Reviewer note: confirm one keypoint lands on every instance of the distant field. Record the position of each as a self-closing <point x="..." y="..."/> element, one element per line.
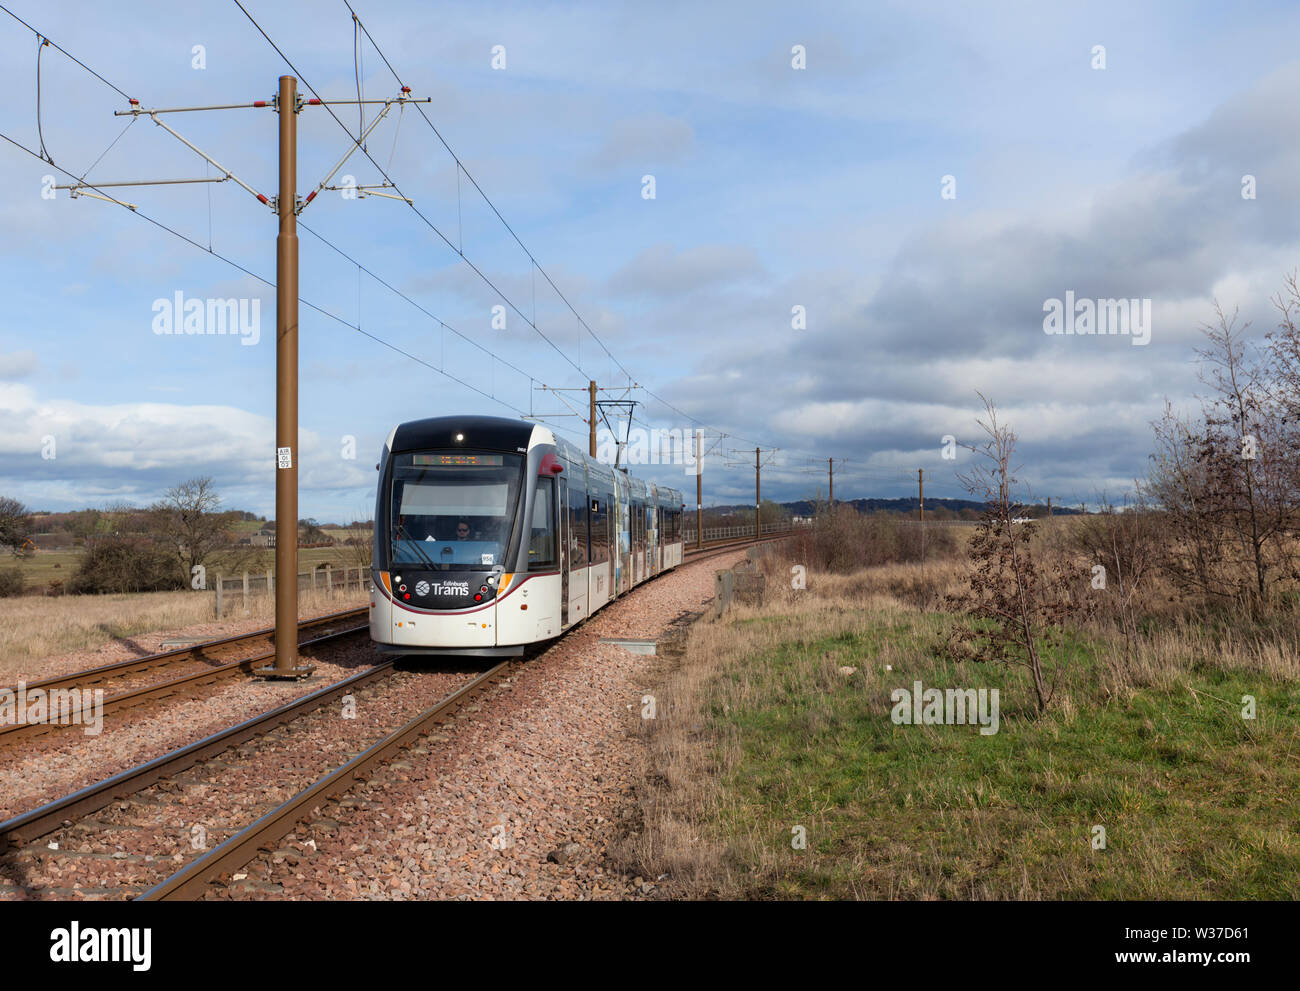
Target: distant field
<point x="48" y="566"/>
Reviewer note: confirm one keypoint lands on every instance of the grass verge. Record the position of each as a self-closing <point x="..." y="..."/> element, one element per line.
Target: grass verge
<point x="758" y="732"/>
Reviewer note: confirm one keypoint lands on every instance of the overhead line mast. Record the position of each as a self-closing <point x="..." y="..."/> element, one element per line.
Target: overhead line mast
<point x="287" y="205"/>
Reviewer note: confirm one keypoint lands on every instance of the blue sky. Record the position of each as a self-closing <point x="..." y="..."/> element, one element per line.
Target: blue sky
<point x="775" y="187"/>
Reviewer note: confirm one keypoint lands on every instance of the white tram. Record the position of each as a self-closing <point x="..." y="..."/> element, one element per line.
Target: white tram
<point x="491" y="534"/>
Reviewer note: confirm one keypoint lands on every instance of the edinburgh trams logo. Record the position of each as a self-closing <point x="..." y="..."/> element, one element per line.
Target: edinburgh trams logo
<point x="449" y="588"/>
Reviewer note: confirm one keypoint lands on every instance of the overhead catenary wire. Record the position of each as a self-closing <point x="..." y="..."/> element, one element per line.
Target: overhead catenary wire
<point x="535" y="267"/>
<point x="134" y="114"/>
<point x="63" y="51"/>
<point x="40" y="131"/>
<point x="108" y="149"/>
<point x="267" y="282"/>
<point x="460" y="167"/>
<point x="459" y="248"/>
<point x="387" y="178"/>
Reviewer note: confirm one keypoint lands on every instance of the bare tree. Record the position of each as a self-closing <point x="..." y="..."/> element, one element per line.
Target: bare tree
<point x="15" y="527"/>
<point x="1227" y="479"/>
<point x="1016" y="603"/>
<point x="360" y="541"/>
<point x="1284" y="349"/>
<point x="187" y="517"/>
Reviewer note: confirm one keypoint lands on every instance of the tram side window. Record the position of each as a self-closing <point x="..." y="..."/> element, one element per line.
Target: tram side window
<point x="577" y="526"/>
<point x="541" y="542"/>
<point x="599" y="525"/>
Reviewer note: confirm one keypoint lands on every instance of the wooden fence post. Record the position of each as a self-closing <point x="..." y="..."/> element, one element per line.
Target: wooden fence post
<point x="220" y="583"/>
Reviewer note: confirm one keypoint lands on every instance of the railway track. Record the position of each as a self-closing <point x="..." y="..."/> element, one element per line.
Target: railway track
<point x="47" y="818"/>
<point x="68" y="817"/>
<point x="714" y="548"/>
<point x="206" y="663"/>
<point x="193" y="880"/>
<point x="201" y="664"/>
<point x="173" y="823"/>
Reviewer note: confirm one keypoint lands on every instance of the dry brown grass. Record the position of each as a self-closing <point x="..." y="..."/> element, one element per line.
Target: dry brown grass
<point x="35" y="627"/>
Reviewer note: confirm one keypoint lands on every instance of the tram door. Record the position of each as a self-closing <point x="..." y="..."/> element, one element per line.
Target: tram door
<point x="562" y="535"/>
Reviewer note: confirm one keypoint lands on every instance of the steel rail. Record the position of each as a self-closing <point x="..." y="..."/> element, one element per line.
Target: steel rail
<point x="729" y="544"/>
<point x="134" y="665"/>
<point x="236" y="851"/>
<point x="161" y="689"/>
<point x="48" y="817"/>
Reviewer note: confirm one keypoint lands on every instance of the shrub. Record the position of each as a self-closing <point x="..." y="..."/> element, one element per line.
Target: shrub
<point x="11" y="583"/>
<point x="848" y="541"/>
<point x="120" y="564"/>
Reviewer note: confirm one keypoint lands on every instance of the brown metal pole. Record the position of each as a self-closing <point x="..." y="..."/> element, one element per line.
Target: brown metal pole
<point x="286" y="393"/>
<point x="591" y="387"/>
<point x="758" y="497"/>
<point x="699" y="495"/>
<point x="920" y="483"/>
<point x="831" y="463"/>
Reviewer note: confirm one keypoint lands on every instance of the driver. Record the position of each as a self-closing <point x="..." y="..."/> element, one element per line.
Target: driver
<point x="462" y="530"/>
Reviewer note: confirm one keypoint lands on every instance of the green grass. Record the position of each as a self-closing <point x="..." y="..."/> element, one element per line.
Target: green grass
<point x="1196" y="801"/>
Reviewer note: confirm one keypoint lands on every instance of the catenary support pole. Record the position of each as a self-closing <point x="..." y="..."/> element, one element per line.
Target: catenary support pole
<point x="286" y="394"/>
<point x="699" y="495"/>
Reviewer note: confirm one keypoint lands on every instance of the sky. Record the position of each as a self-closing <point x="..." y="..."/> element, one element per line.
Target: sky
<point x="860" y="212"/>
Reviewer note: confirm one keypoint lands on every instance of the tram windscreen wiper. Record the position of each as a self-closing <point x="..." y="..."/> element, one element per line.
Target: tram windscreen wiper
<point x="415" y="546"/>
